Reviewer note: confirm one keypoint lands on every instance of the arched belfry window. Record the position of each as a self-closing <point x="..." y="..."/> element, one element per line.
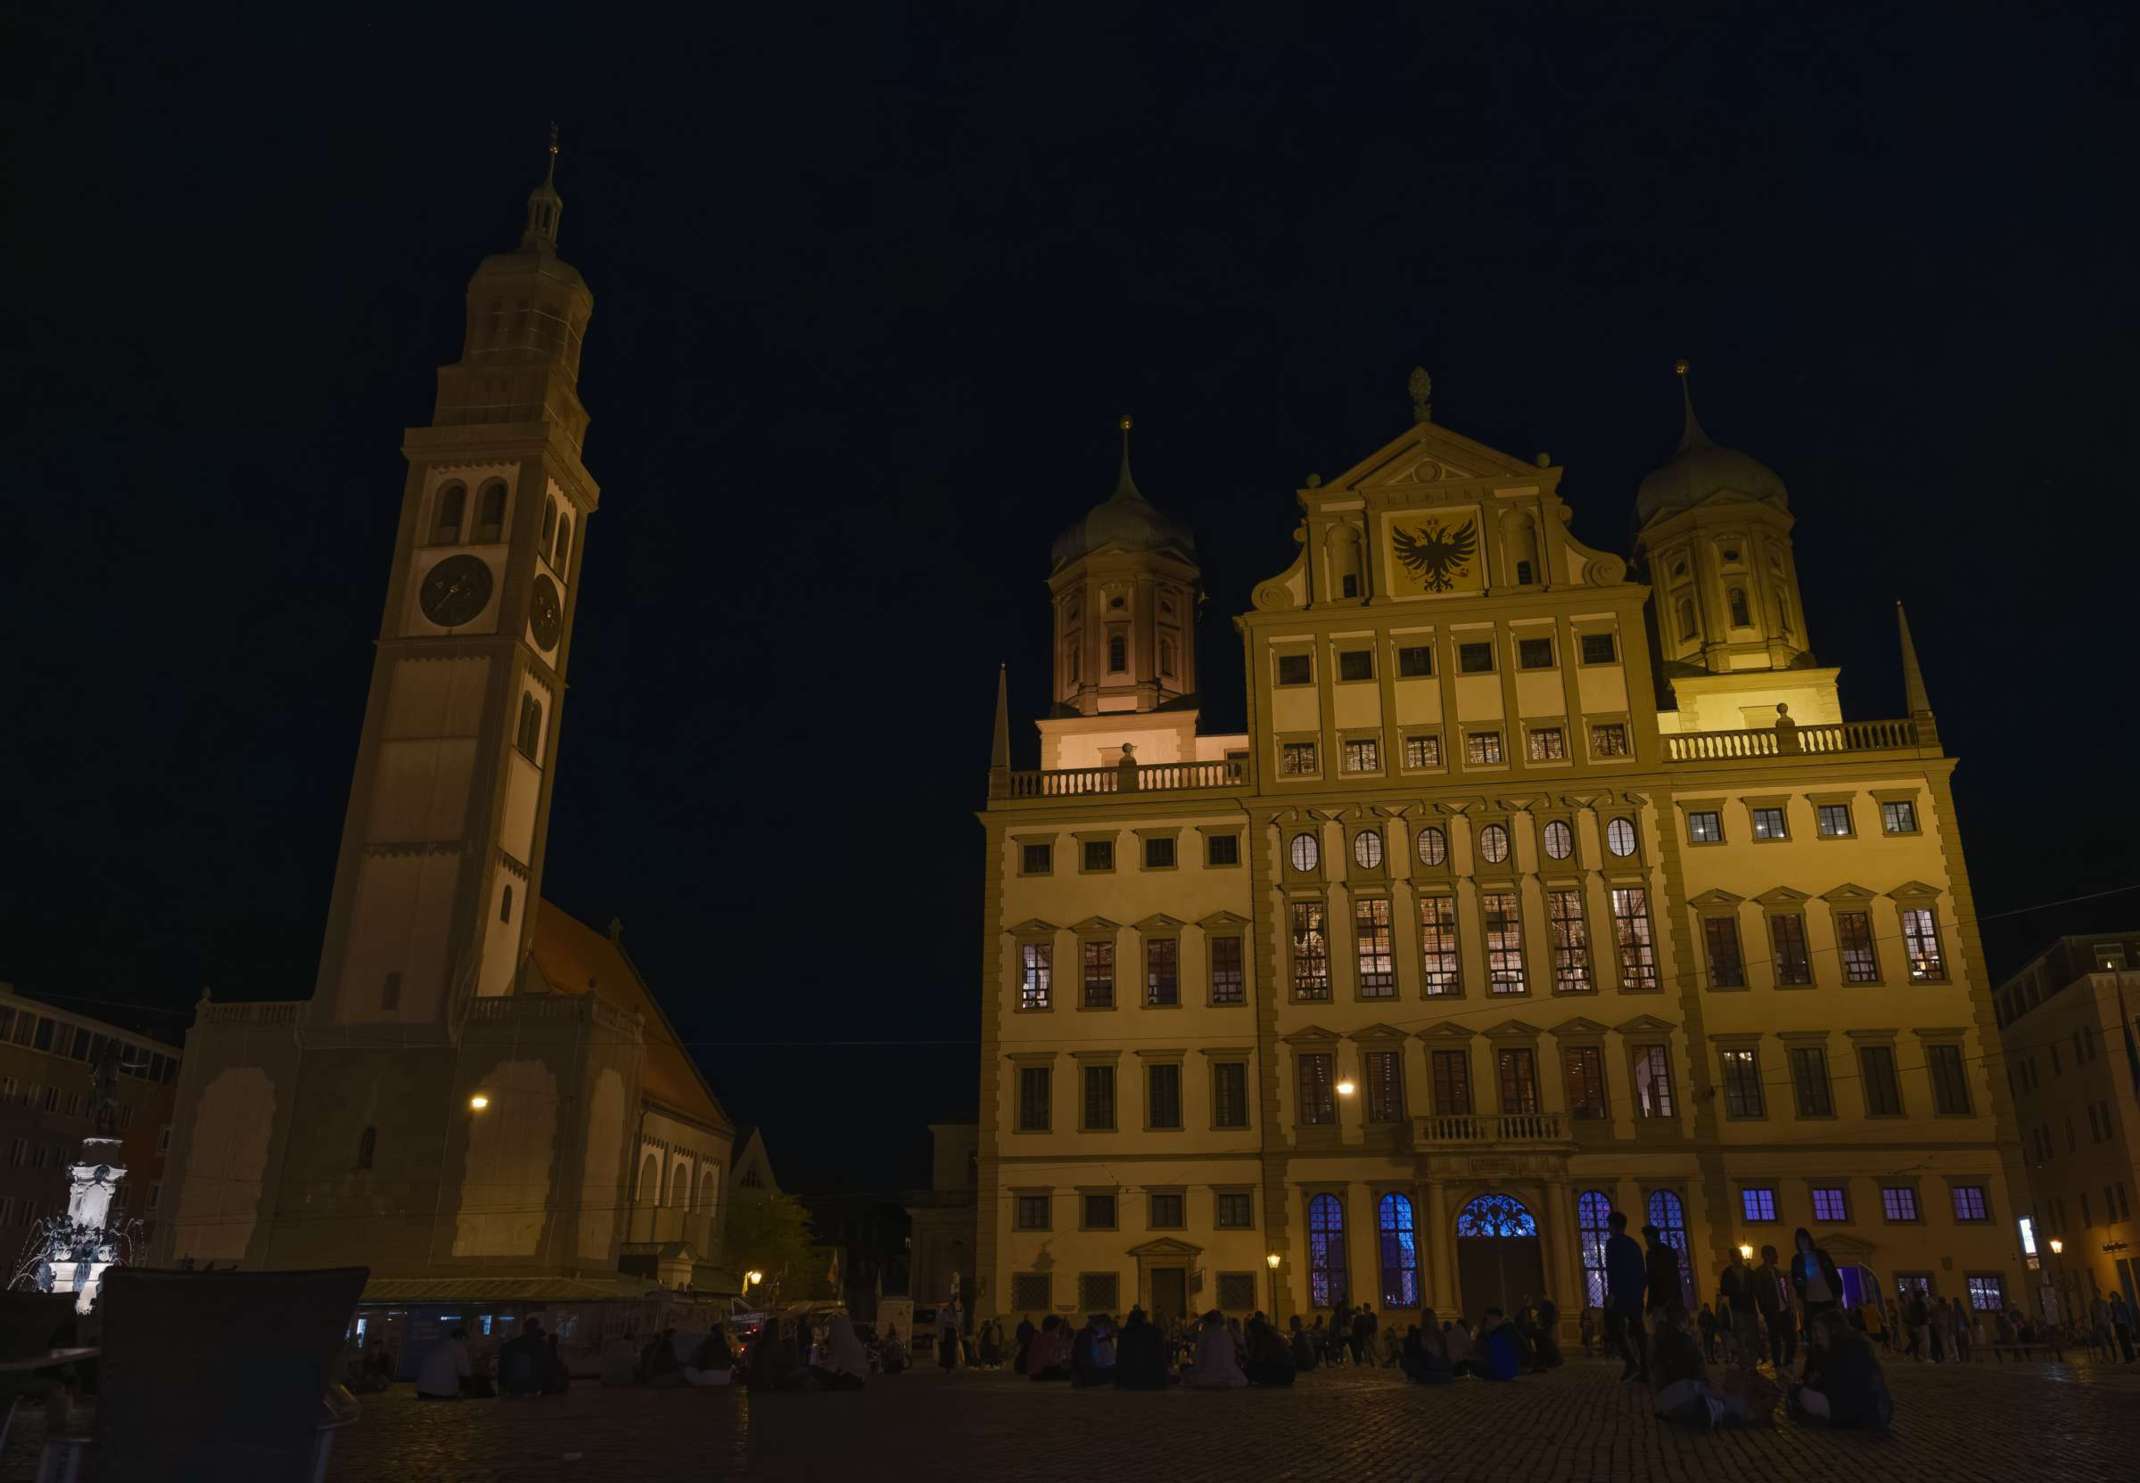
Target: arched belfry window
<point x="1687" y="627"/>
<point x="1741" y="615"/>
<point x="451" y="511"/>
<point x="367" y="1145"/>
<point x="549" y="528"/>
<point x="490" y="514"/>
<point x="564" y="543"/>
<point x="1400" y="1252"/>
<point x="1326" y="1252"/>
<point x="505" y="905"/>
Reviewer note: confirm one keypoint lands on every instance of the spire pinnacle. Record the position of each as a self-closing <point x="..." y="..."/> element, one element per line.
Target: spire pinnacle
<point x="999" y="752"/>
<point x="1914" y="693"/>
<point x="1125" y="486"/>
<point x="1692" y="436"/>
<point x="545" y="206"/>
<point x="1421" y="386"/>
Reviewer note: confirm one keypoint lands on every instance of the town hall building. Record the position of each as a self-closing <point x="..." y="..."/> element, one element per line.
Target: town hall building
<point x="1543" y="883"/>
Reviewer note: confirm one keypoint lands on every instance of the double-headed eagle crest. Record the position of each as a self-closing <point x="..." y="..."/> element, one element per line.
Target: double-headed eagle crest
<point x="1436" y="554"/>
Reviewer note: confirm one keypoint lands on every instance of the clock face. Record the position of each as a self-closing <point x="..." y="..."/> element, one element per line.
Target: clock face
<point x="545" y="614"/>
<point x="456" y="590"/>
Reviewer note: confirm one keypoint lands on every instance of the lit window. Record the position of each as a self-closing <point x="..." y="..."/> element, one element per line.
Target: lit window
<point x="1493" y="844"/>
<point x="1297" y="760"/>
<point x="1829" y="1202"/>
<point x="1920" y="945"/>
<point x="1413" y="663"/>
<point x="1038" y="976"/>
<point x="1482" y="748"/>
<point x="1159" y="852"/>
<point x="1631" y="931"/>
<point x="1653" y="1082"/>
<point x="1433" y="846"/>
<point x="1620" y="837"/>
<point x="1296" y="669"/>
<point x="1970" y="1204"/>
<point x="1162" y="971"/>
<point x="1356" y="664"/>
<point x="1598" y="648"/>
<point x="1441" y="973"/>
<point x="1742" y="1083"/>
<point x="1475" y="659"/>
<point x="1571" y="943"/>
<point x="1727" y="967"/>
<point x="1608" y="739"/>
<point x="1987" y="1292"/>
<point x="1311" y="952"/>
<point x="1399" y="1249"/>
<point x="1705" y="826"/>
<point x="1534" y="653"/>
<point x="1787" y="939"/>
<point x="1318" y="1104"/>
<point x="1099" y="969"/>
<point x="1584" y="1066"/>
<point x="1899" y="817"/>
<point x="1382" y="1071"/>
<point x="1371" y="928"/>
<point x="1504" y="943"/>
<point x="1422" y="751"/>
<point x="1898" y="1202"/>
<point x="1854" y="944"/>
<point x="1769" y="824"/>
<point x="1548" y="744"/>
<point x="1326" y="1252"/>
<point x="1834" y="820"/>
<point x="1367" y="849"/>
<point x="1228" y="984"/>
<point x="1559" y="840"/>
<point x="1363" y="755"/>
<point x="1306" y="852"/>
<point x="1757" y="1203"/>
<point x="1517" y="1070"/>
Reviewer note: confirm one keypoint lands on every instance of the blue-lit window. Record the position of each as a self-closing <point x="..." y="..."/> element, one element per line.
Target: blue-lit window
<point x="1326" y="1252"/>
<point x="1757" y="1203"/>
<point x="1400" y="1253"/>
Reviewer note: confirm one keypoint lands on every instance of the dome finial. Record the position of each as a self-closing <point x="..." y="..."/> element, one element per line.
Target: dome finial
<point x="1692" y="435"/>
<point x="545" y="206"/>
<point x="1125" y="486"/>
<point x="1421" y="385"/>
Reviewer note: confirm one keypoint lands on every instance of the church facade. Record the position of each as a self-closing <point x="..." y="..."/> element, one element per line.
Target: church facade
<point x="481" y="1093"/>
<point x="1541" y="884"/>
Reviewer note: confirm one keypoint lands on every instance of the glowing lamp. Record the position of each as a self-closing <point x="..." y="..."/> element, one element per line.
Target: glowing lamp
<point x="1344" y="1088"/>
<point x="2057" y="1246"/>
<point x="1746" y="1250"/>
<point x="478" y="1102"/>
<point x="1272" y="1259"/>
<point x="751" y="1279"/>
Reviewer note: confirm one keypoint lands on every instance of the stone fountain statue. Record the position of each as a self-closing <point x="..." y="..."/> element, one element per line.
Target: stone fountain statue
<point x="70" y="1253"/>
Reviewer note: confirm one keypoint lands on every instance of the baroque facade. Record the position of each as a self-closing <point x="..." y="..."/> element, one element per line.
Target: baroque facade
<point x="1538" y="886"/>
<point x="481" y="1095"/>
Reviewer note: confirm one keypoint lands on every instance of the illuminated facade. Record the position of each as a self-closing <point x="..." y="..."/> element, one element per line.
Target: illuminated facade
<point x="1469" y="938"/>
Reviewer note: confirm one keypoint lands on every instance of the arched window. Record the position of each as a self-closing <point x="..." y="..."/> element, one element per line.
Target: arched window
<point x="1493" y="844"/>
<point x="650" y="1181"/>
<point x="1326" y="1252"/>
<point x="1687" y="629"/>
<point x="1498" y="1217"/>
<point x="680" y="1186"/>
<point x="490" y="514"/>
<point x="367" y="1145"/>
<point x="706" y="1193"/>
<point x="1306" y="852"/>
<point x="1670" y="1218"/>
<point x="1166" y="656"/>
<point x="1592" y="1212"/>
<point x="1400" y="1252"/>
<point x="1433" y="846"/>
<point x="1741" y="617"/>
<point x="452" y="510"/>
<point x="563" y="560"/>
<point x="1117" y="653"/>
<point x="1559" y="840"/>
<point x="529" y="738"/>
<point x="549" y="528"/>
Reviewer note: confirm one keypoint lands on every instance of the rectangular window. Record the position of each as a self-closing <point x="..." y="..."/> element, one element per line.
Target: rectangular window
<point x="1854" y="944"/>
<point x="1032" y="1292"/>
<point x="1608" y="739"/>
<point x="1534" y="653"/>
<point x="1769" y="824"/>
<point x="1950" y="1083"/>
<point x="1099" y="854"/>
<point x="1036" y="859"/>
<point x="1297" y="760"/>
<point x="1598" y="648"/>
<point x="1920" y="945"/>
<point x="1830" y="1202"/>
<point x="1032" y="1212"/>
<point x="1363" y="754"/>
<point x="1296" y="669"/>
<point x="1311" y="952"/>
<point x="1809" y="1081"/>
<point x="1356" y="664"/>
<point x="1787" y="942"/>
<point x="1883" y="1092"/>
<point x="1099" y="1292"/>
<point x="1371" y="930"/>
<point x="1898" y="818"/>
<point x="1653" y="1082"/>
<point x="1034" y="1085"/>
<point x="1517" y="1071"/>
<point x="1098" y="1212"/>
<point x="1036" y="981"/>
<point x="1585" y="1068"/>
<point x="1742" y="1083"/>
<point x="1222" y="849"/>
<point x="1383" y="1071"/>
<point x="1440" y="969"/>
<point x="1452" y="1083"/>
<point x="1099" y="1099"/>
<point x="1422" y="751"/>
<point x="1504" y="943"/>
<point x="1970" y="1204"/>
<point x="1571" y="943"/>
<point x="1757" y="1202"/>
<point x="1727" y="969"/>
<point x="1162" y="971"/>
<point x="1159" y="852"/>
<point x="529" y="738"/>
<point x="1475" y="659"/>
<point x="1833" y="820"/>
<point x="1165" y="1215"/>
<point x="1631" y="928"/>
<point x="1548" y="744"/>
<point x="1415" y="662"/>
<point x="1898" y="1202"/>
<point x="1318" y="1105"/>
<point x="1162" y="1093"/>
<point x="1705" y="826"/>
<point x="1229" y="1094"/>
<point x="1987" y="1292"/>
<point x="1229" y="985"/>
<point x="1235" y="1211"/>
<point x="1482" y="747"/>
<point x="1099" y="962"/>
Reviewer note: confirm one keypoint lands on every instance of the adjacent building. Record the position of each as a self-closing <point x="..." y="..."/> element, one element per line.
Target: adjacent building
<point x="1542" y="882"/>
<point x="2071" y="1025"/>
<point x="941" y="1219"/>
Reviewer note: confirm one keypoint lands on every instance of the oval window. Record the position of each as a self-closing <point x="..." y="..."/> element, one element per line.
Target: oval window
<point x="1620" y="837"/>
<point x="1367" y="849"/>
<point x="1559" y="840"/>
<point x="1305" y="852"/>
<point x="1493" y="844"/>
<point x="1433" y="847"/>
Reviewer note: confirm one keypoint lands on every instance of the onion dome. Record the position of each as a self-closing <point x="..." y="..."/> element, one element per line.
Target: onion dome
<point x="1125" y="521"/>
<point x="1701" y="470"/>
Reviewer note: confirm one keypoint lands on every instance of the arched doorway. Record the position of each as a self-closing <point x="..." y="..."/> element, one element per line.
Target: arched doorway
<point x="1497" y="1255"/>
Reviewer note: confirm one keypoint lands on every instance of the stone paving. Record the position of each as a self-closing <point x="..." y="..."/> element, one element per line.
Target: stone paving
<point x="1954" y="1424"/>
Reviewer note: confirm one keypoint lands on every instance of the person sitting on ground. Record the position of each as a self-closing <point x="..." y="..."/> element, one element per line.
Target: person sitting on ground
<point x="445" y="1367"/>
<point x="521" y="1361"/>
<point x="1392" y="1347"/>
<point x="1140" y="1354"/>
<point x="712" y="1362"/>
<point x="1270" y="1358"/>
<point x="1048" y="1358"/>
<point x="1426" y="1352"/>
<point x="1304" y="1356"/>
<point x="1844" y="1384"/>
<point x="773" y="1363"/>
<point x="1217" y="1367"/>
<point x="845" y="1364"/>
<point x="892" y="1356"/>
<point x="1092" y="1352"/>
<point x="657" y="1362"/>
<point x="1458" y="1345"/>
<point x="1499" y="1354"/>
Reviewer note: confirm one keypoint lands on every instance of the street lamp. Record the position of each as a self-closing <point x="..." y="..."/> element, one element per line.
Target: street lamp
<point x="2057" y="1246"/>
<point x="1746" y="1250"/>
<point x="1271" y="1260"/>
<point x="1345" y="1088"/>
<point x="478" y="1102"/>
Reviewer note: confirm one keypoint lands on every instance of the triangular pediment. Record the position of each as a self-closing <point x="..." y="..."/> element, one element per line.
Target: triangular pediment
<point x="1220" y="921"/>
<point x="1783" y="896"/>
<point x="1513" y="1029"/>
<point x="1715" y="900"/>
<point x="1378" y="1032"/>
<point x="1309" y="1033"/>
<point x="1449" y="1030"/>
<point x="1579" y="1026"/>
<point x="1165" y="1246"/>
<point x="1032" y="927"/>
<point x="1913" y="891"/>
<point x="1847" y="891"/>
<point x="1645" y="1024"/>
<point x="1094" y="926"/>
<point x="1160" y="922"/>
<point x="1427" y="454"/>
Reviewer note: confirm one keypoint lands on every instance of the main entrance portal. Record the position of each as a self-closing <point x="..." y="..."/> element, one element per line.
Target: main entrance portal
<point x="1497" y="1255"/>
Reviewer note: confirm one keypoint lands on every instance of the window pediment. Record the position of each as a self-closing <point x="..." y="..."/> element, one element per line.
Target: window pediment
<point x="1646" y="1024"/>
<point x="1579" y="1027"/>
<point x="1715" y="900"/>
<point x="1095" y="927"/>
<point x="1160" y="922"/>
<point x="1220" y="921"/>
<point x="1913" y="891"/>
<point x="1513" y="1029"/>
<point x="1166" y="1246"/>
<point x="1448" y="1032"/>
<point x="1847" y="891"/>
<point x="1310" y="1034"/>
<point x="1783" y="896"/>
<point x="1032" y="927"/>
<point x="1378" y="1032"/>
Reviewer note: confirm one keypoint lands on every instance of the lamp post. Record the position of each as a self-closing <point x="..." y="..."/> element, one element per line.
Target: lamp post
<point x="1271" y="1261"/>
<point x="2051" y="1288"/>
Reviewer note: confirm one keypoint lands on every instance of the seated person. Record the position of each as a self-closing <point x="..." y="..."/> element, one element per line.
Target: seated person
<point x="1270" y="1357"/>
<point x="844" y="1365"/>
<point x="657" y="1362"/>
<point x="1092" y="1352"/>
<point x="1305" y="1354"/>
<point x="1499" y="1354"/>
<point x="1217" y="1366"/>
<point x="713" y="1362"/>
<point x="445" y="1369"/>
<point x="1461" y="1349"/>
<point x="1141" y="1355"/>
<point x="773" y="1362"/>
<point x="1844" y="1385"/>
<point x="1048" y="1357"/>
<point x="1426" y="1352"/>
<point x="523" y="1361"/>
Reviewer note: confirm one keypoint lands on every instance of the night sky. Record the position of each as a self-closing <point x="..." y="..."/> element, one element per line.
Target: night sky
<point x="871" y="287"/>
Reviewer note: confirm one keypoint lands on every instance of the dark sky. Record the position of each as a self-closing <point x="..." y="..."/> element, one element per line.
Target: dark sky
<point x="872" y="285"/>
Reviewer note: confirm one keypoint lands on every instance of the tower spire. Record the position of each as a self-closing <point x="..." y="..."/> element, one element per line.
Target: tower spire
<point x="999" y="752"/>
<point x="1914" y="693"/>
<point x="1692" y="435"/>
<point x="1125" y="485"/>
<point x="545" y="206"/>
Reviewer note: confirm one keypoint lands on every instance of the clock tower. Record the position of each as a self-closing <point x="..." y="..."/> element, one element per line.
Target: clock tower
<point x="442" y="847"/>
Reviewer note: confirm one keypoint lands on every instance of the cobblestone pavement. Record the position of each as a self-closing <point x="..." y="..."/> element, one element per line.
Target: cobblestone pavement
<point x="1954" y="1424"/>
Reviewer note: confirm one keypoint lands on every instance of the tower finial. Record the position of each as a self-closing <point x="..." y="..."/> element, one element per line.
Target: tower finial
<point x="1691" y="436"/>
<point x="550" y="177"/>
<point x="545" y="206"/>
<point x="1125" y="486"/>
<point x="1914" y="694"/>
<point x="999" y="751"/>
<point x="1421" y="386"/>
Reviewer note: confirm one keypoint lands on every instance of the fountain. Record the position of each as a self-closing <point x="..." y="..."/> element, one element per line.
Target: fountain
<point x="70" y="1253"/>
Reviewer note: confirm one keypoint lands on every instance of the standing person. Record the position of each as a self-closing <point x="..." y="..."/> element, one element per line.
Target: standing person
<point x="1363" y="1335"/>
<point x="1586" y="1327"/>
<point x="1741" y="1284"/>
<point x="1772" y="1295"/>
<point x="1662" y="1283"/>
<point x="1917" y="1322"/>
<point x="1141" y="1355"/>
<point x="1306" y="1355"/>
<point x="1025" y="1343"/>
<point x="947" y="1335"/>
<point x="1961" y="1329"/>
<point x="2121" y="1324"/>
<point x="1706" y="1322"/>
<point x="1941" y="1321"/>
<point x="1623" y="1299"/>
<point x="444" y="1368"/>
<point x="1545" y="1353"/>
<point x="1813" y="1276"/>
